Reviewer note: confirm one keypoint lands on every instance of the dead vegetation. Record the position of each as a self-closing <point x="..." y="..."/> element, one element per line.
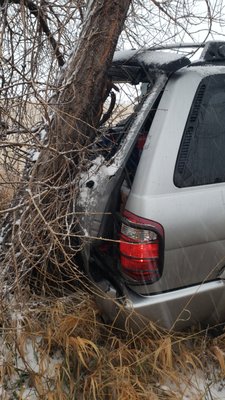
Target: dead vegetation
<point x="61" y="349"/>
<point x="7" y="189"/>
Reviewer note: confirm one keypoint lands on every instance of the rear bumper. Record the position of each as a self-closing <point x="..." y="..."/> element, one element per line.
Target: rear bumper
<point x="175" y="310"/>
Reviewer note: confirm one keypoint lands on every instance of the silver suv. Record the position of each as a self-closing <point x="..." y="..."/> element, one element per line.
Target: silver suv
<point x="154" y="200"/>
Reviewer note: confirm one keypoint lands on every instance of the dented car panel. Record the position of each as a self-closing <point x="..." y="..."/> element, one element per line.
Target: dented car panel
<point x="97" y="201"/>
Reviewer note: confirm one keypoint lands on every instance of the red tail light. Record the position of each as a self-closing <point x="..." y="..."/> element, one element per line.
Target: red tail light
<point x="141" y="248"/>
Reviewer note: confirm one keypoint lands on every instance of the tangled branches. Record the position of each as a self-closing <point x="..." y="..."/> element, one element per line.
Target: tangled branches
<point x="52" y="123"/>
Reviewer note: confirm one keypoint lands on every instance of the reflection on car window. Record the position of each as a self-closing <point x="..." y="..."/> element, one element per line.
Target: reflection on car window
<point x="201" y="158"/>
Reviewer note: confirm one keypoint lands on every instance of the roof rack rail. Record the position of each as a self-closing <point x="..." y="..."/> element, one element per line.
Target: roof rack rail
<point x="178" y="46"/>
<point x="213" y="50"/>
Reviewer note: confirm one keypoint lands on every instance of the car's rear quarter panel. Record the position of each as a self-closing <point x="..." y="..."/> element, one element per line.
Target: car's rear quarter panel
<point x="193" y="218"/>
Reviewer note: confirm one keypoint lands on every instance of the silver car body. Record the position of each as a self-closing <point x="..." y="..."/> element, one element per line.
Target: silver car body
<point x="191" y="288"/>
<point x="193" y="217"/>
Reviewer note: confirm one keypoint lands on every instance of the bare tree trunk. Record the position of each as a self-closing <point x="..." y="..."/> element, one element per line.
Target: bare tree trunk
<point x="44" y="238"/>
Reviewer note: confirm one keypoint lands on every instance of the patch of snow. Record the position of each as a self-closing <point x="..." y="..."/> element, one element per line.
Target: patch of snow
<point x="98" y="173"/>
<point x="83" y="196"/>
<point x="43" y="134"/>
<point x="125" y="55"/>
<point x="158" y="57"/>
<point x="31" y="361"/>
<point x="198" y="385"/>
<point x="208" y="69"/>
<point x="28" y="394"/>
<point x="148" y="57"/>
<point x="34" y="155"/>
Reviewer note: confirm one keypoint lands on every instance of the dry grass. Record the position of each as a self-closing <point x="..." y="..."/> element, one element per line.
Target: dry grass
<point x="60" y="349"/>
<point x="6" y="188"/>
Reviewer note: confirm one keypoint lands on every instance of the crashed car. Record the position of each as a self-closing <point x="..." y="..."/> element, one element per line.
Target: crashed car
<point x="154" y="202"/>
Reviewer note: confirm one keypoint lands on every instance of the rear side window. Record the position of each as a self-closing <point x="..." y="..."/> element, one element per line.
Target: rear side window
<point x="201" y="157"/>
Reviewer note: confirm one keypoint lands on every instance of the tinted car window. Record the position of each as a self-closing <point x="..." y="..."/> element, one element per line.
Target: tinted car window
<point x="201" y="157"/>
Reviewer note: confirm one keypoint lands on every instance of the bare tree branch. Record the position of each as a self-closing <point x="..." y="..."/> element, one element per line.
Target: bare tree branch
<point x="38" y="12"/>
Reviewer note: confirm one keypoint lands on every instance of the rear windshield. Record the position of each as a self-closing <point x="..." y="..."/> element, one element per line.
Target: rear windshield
<point x="201" y="157"/>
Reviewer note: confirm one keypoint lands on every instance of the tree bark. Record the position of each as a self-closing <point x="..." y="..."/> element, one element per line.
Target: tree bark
<point x="44" y="240"/>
